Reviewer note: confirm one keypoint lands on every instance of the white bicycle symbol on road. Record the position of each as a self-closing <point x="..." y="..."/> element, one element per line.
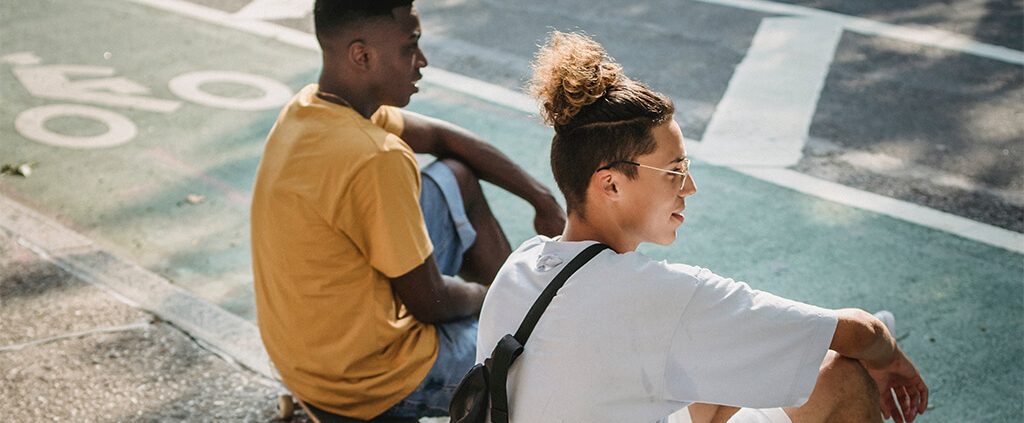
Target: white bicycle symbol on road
<point x="101" y="87"/>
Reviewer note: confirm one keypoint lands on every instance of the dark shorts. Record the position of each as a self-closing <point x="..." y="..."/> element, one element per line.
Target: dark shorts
<point x="451" y="234"/>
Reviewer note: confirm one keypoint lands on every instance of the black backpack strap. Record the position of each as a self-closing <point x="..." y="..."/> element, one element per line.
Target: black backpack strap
<point x="504" y="354"/>
<point x="509" y="347"/>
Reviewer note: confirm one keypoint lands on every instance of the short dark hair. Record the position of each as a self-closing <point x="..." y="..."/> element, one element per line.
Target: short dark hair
<point x="332" y="15"/>
<point x="599" y="115"/>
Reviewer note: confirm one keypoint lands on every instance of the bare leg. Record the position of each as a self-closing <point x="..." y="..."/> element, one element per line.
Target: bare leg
<point x="843" y="393"/>
<point x="710" y="413"/>
<point x="482" y="260"/>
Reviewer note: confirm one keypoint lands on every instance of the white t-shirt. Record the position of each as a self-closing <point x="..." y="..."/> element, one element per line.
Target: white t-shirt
<point x="630" y="339"/>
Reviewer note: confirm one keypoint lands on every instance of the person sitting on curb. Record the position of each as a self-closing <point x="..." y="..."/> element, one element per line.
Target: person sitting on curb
<point x="354" y="247"/>
<point x="631" y="339"/>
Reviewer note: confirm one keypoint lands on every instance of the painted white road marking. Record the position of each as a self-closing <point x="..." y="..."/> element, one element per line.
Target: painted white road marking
<point x="880" y="204"/>
<point x="52" y="82"/>
<point x="189" y="87"/>
<point x="765" y="114"/>
<point x="273" y="31"/>
<point x="917" y="35"/>
<point x="481" y="89"/>
<point x="31" y="124"/>
<point x="964" y="227"/>
<point x="24" y="58"/>
<point x="275" y="9"/>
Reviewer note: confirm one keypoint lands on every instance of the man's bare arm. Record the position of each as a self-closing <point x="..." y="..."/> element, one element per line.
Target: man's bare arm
<point x="445" y="140"/>
<point x="862" y="336"/>
<point x="434" y="298"/>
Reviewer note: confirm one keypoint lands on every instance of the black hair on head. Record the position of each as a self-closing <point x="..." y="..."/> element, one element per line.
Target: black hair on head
<point x="332" y="15"/>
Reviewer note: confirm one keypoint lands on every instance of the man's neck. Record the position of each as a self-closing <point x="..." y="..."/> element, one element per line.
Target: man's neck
<point x="597" y="229"/>
<point x="341" y="93"/>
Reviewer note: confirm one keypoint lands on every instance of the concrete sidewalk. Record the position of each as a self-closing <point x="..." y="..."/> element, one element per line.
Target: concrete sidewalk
<point x="71" y="351"/>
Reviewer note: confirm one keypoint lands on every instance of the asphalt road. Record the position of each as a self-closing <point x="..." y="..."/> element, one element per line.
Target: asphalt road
<point x="924" y="124"/>
<point x="895" y="116"/>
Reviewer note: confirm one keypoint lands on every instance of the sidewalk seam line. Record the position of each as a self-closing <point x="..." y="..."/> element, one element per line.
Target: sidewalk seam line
<point x="78" y="334"/>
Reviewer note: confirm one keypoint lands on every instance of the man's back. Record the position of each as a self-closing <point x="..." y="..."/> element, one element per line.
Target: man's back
<point x="631" y="339"/>
<point x="334" y="215"/>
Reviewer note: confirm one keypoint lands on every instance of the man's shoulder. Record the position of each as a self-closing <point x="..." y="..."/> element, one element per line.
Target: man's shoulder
<point x="643" y="267"/>
<point x="555" y="252"/>
<point x="344" y="139"/>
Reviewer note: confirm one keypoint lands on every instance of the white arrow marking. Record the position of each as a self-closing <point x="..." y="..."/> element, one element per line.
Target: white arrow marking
<point x="52" y="82"/>
<point x="766" y="111"/>
<point x="275" y="9"/>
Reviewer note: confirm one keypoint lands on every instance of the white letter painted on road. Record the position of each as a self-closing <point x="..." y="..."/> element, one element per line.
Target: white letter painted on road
<point x="188" y="87"/>
<point x="31" y="124"/>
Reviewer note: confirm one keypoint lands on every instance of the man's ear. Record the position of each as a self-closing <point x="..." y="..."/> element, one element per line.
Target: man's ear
<point x="605" y="183"/>
<point x="359" y="54"/>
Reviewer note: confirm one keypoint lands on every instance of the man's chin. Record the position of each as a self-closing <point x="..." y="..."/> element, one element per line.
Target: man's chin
<point x="397" y="102"/>
<point x="666" y="240"/>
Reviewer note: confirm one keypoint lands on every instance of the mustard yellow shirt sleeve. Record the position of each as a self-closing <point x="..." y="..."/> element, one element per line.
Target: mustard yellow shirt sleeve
<point x="382" y="214"/>
<point x="389" y="118"/>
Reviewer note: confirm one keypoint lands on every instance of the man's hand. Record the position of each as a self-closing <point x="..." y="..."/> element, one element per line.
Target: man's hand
<point x="550" y="218"/>
<point x="900" y="377"/>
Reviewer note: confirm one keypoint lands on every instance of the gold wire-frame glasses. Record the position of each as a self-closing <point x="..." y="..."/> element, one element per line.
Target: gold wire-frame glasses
<point x="685" y="173"/>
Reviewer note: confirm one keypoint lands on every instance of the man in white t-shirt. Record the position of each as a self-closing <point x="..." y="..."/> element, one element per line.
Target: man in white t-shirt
<point x="630" y="339"/>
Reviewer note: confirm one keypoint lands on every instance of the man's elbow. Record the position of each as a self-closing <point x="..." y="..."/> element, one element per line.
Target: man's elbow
<point x="430" y="315"/>
<point x="857" y="331"/>
<point x="432" y="310"/>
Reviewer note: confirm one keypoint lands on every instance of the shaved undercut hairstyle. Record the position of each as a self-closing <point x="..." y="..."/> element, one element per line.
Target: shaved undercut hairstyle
<point x="330" y="16"/>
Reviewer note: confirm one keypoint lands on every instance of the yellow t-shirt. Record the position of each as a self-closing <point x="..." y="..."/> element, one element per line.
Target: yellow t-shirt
<point x="335" y="213"/>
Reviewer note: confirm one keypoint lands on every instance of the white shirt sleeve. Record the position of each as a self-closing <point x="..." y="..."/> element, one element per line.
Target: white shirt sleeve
<point x="742" y="347"/>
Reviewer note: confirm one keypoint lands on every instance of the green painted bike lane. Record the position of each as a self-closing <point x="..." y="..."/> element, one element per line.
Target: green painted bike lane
<point x="959" y="304"/>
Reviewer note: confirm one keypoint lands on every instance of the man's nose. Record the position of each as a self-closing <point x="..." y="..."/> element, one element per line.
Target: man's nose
<point x="421" y="60"/>
<point x="689" y="186"/>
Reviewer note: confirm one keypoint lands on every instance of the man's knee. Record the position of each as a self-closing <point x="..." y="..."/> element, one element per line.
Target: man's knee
<point x="854" y="389"/>
<point x="469" y="184"/>
<point x="460" y="170"/>
<point x="844" y="392"/>
<point x="849" y="375"/>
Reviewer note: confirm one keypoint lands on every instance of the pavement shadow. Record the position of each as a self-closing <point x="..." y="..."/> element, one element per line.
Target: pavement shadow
<point x="1001" y="23"/>
<point x="931" y="109"/>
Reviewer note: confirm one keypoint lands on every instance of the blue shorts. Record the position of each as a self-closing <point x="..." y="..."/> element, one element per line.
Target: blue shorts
<point x="455" y="356"/>
<point x="451" y="234"/>
<point x="445" y="215"/>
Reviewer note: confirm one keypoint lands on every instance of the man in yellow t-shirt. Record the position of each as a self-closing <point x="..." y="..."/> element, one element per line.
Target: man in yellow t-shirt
<point x="354" y="247"/>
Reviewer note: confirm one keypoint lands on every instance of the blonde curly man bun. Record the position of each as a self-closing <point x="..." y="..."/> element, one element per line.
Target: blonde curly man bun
<point x="570" y="72"/>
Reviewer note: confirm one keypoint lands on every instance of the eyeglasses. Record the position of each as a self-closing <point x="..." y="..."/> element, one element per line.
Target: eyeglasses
<point x="685" y="172"/>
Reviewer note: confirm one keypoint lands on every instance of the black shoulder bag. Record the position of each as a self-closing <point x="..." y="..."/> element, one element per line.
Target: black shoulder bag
<point x="486" y="383"/>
